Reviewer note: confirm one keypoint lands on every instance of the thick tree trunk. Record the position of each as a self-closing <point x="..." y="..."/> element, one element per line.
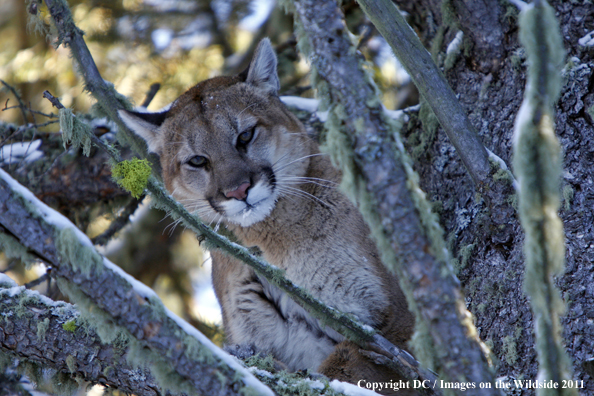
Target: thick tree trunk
<point x="487" y="239"/>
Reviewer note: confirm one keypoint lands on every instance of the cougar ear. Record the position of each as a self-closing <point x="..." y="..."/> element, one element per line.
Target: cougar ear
<point x="145" y="125"/>
<point x="262" y="71"/>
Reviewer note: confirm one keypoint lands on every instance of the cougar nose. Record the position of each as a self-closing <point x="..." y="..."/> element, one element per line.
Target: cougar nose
<point x="240" y="193"/>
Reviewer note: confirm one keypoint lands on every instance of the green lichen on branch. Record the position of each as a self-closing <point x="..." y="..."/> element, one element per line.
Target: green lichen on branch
<point x="70" y="326"/>
<point x="12" y="248"/>
<point x="74" y="131"/>
<point x="74" y="253"/>
<point x="132" y="175"/>
<point x="22" y="302"/>
<point x="537" y="164"/>
<point x="35" y="22"/>
<point x="42" y="327"/>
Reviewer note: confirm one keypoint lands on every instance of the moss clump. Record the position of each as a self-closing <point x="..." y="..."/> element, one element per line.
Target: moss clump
<point x="263" y="363"/>
<point x="132" y="175"/>
<point x="42" y="327"/>
<point x="568" y="194"/>
<point x="465" y="253"/>
<point x="71" y="363"/>
<point x="509" y="349"/>
<point x="35" y="22"/>
<point x="70" y="326"/>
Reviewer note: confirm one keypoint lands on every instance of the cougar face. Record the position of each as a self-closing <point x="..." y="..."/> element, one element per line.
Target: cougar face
<point x="228" y="147"/>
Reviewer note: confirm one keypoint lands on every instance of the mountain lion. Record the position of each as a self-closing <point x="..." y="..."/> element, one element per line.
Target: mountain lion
<point x="232" y="153"/>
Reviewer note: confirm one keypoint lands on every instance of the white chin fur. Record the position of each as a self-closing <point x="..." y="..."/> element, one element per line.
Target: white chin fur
<point x="260" y="198"/>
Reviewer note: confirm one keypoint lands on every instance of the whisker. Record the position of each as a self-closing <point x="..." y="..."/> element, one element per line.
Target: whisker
<point x="304" y="180"/>
<point x="301" y="193"/>
<point x="300" y="183"/>
<point x="216" y="228"/>
<point x="247" y="107"/>
<point x="296" y="193"/>
<point x="172" y="227"/>
<point x="215" y="218"/>
<point x="312" y="178"/>
<point x="297" y="160"/>
<point x="289" y="153"/>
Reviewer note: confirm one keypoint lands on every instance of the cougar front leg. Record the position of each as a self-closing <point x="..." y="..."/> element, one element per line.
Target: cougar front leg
<point x="250" y="318"/>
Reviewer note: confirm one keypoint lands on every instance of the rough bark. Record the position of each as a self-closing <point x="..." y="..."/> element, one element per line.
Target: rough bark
<point x="487" y="243"/>
<point x="53" y="346"/>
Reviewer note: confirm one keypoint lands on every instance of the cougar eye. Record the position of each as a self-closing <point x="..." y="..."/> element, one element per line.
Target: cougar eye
<point x="197" y="161"/>
<point x="245" y="137"/>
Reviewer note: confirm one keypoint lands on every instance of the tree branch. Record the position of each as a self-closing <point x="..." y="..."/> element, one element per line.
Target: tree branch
<point x="104" y="92"/>
<point x="432" y="86"/>
<point x="379" y="174"/>
<point x="36" y="332"/>
<point x="119" y="222"/>
<point x="21" y="105"/>
<point x="537" y="162"/>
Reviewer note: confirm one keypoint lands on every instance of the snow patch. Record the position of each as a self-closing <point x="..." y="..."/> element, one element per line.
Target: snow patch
<point x="587" y="40"/>
<point x="20" y="151"/>
<point x="454" y="46"/>
<point x="315" y="384"/>
<point x="6" y="281"/>
<point x="311" y="106"/>
<point x="260" y="372"/>
<point x="350" y="389"/>
<point x="17" y="290"/>
<point x="497" y="159"/>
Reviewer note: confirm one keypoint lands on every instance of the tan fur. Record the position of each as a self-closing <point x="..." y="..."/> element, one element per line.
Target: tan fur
<point x="310" y="229"/>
